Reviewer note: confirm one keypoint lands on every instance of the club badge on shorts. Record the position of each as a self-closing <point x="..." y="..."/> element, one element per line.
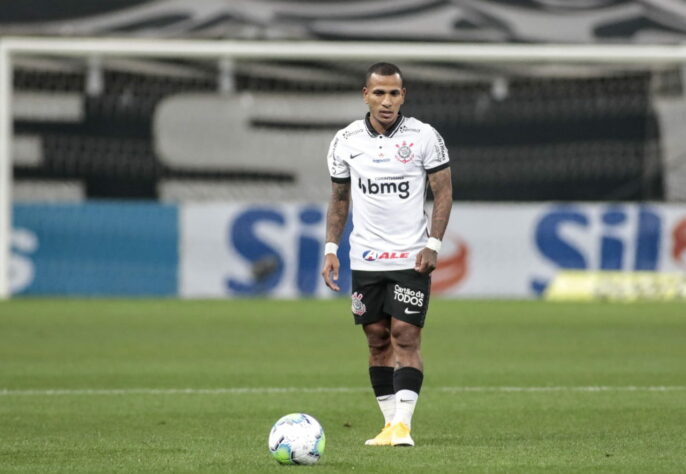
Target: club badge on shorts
<point x="358" y="306"/>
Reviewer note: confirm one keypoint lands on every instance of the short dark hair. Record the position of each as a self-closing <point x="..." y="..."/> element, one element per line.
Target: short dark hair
<point x="383" y="69"/>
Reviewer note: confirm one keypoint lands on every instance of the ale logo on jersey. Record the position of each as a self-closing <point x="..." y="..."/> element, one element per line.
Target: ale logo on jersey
<point x="404" y="153"/>
<point x="374" y="255"/>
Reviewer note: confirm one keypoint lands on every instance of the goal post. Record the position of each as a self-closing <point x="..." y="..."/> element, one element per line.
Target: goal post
<point x="225" y="52"/>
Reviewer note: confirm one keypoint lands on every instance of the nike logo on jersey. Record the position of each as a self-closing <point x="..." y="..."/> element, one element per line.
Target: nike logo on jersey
<point x="352" y="157"/>
<point x="406" y="401"/>
<point x="407" y="311"/>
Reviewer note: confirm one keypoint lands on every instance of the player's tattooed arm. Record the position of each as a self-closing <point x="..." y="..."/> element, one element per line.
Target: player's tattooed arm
<point x="337" y="215"/>
<point x="442" y="189"/>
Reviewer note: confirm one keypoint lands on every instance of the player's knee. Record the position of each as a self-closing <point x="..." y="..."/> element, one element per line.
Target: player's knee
<point x="406" y="345"/>
<point x="378" y="343"/>
<point x="405" y="340"/>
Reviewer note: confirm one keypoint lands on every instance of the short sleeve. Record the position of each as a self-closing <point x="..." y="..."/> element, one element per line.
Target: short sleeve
<point x="435" y="152"/>
<point x="338" y="168"/>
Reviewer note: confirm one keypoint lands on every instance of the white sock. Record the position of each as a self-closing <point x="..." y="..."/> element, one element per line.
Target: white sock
<point x="405" y="401"/>
<point x="387" y="405"/>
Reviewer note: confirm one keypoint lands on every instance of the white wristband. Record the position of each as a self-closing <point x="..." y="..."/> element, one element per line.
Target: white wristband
<point x="330" y="247"/>
<point x="434" y="244"/>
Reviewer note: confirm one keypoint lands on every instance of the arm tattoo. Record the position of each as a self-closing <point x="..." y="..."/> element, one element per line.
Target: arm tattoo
<point x="442" y="189"/>
<point x="337" y="215"/>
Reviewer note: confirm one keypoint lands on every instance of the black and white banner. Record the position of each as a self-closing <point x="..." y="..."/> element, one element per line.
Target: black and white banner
<point x="528" y="21"/>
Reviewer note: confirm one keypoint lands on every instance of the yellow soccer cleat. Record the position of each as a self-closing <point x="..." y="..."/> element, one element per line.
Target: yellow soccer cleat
<point x="382" y="439"/>
<point x="400" y="435"/>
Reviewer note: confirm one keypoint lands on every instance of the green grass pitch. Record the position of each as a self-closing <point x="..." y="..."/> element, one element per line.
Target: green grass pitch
<point x="194" y="386"/>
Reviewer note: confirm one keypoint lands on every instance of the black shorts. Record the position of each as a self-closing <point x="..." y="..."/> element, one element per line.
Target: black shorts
<point x="402" y="294"/>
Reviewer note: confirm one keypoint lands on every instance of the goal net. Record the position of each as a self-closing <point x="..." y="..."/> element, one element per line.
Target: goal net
<point x="112" y="122"/>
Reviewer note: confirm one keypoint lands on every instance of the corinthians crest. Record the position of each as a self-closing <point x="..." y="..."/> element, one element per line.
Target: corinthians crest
<point x="358" y="306"/>
<point x="404" y="153"/>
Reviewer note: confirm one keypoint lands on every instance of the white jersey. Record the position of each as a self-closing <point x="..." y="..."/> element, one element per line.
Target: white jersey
<point x="388" y="177"/>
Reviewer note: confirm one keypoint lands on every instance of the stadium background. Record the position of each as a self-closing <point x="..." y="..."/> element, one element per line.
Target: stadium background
<point x="206" y="178"/>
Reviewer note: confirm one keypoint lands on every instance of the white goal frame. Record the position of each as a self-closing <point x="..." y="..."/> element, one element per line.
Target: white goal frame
<point x="286" y="50"/>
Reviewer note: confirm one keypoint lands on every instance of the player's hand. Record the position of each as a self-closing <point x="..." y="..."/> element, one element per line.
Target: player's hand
<point x="330" y="271"/>
<point x="426" y="261"/>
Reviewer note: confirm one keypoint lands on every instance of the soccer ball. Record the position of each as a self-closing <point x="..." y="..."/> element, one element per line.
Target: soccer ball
<point x="297" y="439"/>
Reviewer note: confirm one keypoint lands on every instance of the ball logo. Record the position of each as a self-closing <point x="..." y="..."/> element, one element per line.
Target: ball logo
<point x="404" y="154"/>
<point x="358" y="307"/>
<point x="369" y="255"/>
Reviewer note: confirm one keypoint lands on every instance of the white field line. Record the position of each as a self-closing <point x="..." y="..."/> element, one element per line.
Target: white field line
<point x="277" y="390"/>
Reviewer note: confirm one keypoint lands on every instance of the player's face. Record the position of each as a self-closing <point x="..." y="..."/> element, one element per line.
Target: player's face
<point x="384" y="95"/>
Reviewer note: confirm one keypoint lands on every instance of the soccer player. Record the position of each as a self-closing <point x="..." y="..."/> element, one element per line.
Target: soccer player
<point x="381" y="164"/>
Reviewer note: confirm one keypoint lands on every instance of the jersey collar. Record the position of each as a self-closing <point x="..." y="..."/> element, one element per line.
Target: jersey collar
<point x="391" y="130"/>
